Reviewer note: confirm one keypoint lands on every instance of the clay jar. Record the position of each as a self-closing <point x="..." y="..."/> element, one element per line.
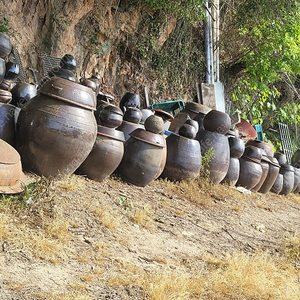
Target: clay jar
<point x="22" y="92"/>
<point x="269" y="149"/>
<point x="56" y="129"/>
<point x="273" y="172"/>
<point x="265" y="170"/>
<point x="110" y="116"/>
<point x="218" y="165"/>
<point x="105" y="156"/>
<point x="143" y="155"/>
<point x="7" y="123"/>
<point x="217" y="121"/>
<point x="296" y="159"/>
<point x="288" y="179"/>
<point x="237" y="148"/>
<point x="130" y="100"/>
<point x="193" y="108"/>
<point x="278" y="184"/>
<point x="12" y="71"/>
<point x="199" y="119"/>
<point x="183" y="155"/>
<point x="281" y="158"/>
<point x="250" y="168"/>
<point x="133" y="115"/>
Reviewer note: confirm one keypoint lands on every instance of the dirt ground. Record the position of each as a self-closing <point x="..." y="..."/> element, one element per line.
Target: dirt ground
<point x="79" y="239"/>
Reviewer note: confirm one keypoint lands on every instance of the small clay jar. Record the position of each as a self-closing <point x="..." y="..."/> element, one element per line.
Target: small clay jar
<point x="133" y="115"/>
<point x="22" y="92"/>
<point x="233" y="172"/>
<point x="130" y="100"/>
<point x="68" y="62"/>
<point x="110" y="116"/>
<point x="194" y="123"/>
<point x="281" y="158"/>
<point x="154" y="124"/>
<point x="12" y="71"/>
<point x="217" y="121"/>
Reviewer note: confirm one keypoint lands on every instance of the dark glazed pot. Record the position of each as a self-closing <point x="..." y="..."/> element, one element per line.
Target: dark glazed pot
<point x="7" y="123"/>
<point x="233" y="172"/>
<point x="250" y="168"/>
<point x="154" y="124"/>
<point x="199" y="119"/>
<point x="281" y="158"/>
<point x="296" y="187"/>
<point x="193" y="108"/>
<point x="22" y="92"/>
<point x="62" y="73"/>
<point x="183" y="158"/>
<point x="105" y="156"/>
<point x="217" y="121"/>
<point x="133" y="115"/>
<point x="2" y="68"/>
<point x="110" y="116"/>
<point x="237" y="146"/>
<point x="68" y="62"/>
<point x="143" y="154"/>
<point x="219" y="164"/>
<point x="278" y="184"/>
<point x="265" y="169"/>
<point x="12" y="71"/>
<point x="130" y="100"/>
<point x="288" y="179"/>
<point x="273" y="172"/>
<point x="54" y="136"/>
<point x="128" y="127"/>
<point x="269" y="149"/>
<point x="5" y="45"/>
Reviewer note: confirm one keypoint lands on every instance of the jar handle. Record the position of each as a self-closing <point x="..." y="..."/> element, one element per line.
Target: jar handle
<point x="56" y="87"/>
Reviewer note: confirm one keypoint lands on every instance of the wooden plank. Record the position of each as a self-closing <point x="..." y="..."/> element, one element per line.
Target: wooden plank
<point x="208" y="95"/>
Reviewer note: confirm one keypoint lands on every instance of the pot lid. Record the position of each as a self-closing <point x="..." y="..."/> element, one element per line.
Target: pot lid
<point x="161" y="113"/>
<point x="252" y="159"/>
<point x="111" y="133"/>
<point x="149" y="137"/>
<point x="288" y="168"/>
<point x="8" y="154"/>
<point x="274" y="161"/>
<point x="69" y="91"/>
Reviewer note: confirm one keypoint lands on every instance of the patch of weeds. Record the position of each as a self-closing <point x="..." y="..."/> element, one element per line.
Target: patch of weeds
<point x="206" y="159"/>
<point x="126" y="204"/>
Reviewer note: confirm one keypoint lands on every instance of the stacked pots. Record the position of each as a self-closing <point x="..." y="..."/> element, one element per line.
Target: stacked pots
<point x="237" y="147"/>
<point x="265" y="162"/>
<point x="56" y="129"/>
<point x="144" y="154"/>
<point x="183" y="154"/>
<point x="287" y="172"/>
<point x="213" y="138"/>
<point x="250" y="168"/>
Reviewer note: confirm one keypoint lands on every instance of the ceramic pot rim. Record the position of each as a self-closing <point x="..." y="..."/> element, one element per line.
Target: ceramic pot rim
<point x="149" y="137"/>
<point x="15" y="189"/>
<point x="111" y="133"/>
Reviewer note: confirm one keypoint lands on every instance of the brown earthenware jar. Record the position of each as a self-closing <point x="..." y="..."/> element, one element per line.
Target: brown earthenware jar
<point x="273" y="172"/>
<point x="56" y="129"/>
<point x="278" y="184"/>
<point x="265" y="169"/>
<point x="105" y="156"/>
<point x="218" y="165"/>
<point x="183" y="155"/>
<point x="233" y="172"/>
<point x="288" y="179"/>
<point x="7" y="123"/>
<point x="269" y="149"/>
<point x="143" y="154"/>
<point x="217" y="121"/>
<point x="250" y="168"/>
<point x="128" y="127"/>
<point x="296" y="187"/>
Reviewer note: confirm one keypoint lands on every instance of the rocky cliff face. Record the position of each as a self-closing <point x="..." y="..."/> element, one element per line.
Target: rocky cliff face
<point x="101" y="35"/>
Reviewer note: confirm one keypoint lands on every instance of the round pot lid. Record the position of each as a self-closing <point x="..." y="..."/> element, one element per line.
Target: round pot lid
<point x="149" y="137"/>
<point x="111" y="133"/>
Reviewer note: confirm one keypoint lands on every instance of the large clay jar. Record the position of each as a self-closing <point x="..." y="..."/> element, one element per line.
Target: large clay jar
<point x="143" y="154"/>
<point x="128" y="127"/>
<point x="183" y="155"/>
<point x="218" y="165"/>
<point x="265" y="169"/>
<point x="288" y="179"/>
<point x="199" y="119"/>
<point x="130" y="100"/>
<point x="296" y="187"/>
<point x="193" y="108"/>
<point x="217" y="121"/>
<point x="56" y="130"/>
<point x="273" y="172"/>
<point x="105" y="156"/>
<point x="7" y="123"/>
<point x="237" y="147"/>
<point x="250" y="168"/>
<point x="278" y="184"/>
<point x="269" y="149"/>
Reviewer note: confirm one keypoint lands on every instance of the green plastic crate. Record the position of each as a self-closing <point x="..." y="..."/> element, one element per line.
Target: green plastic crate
<point x="172" y="107"/>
